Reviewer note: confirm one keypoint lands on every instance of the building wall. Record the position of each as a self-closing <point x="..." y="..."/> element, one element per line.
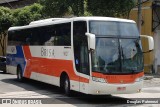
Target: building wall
<point x="146" y="29"/>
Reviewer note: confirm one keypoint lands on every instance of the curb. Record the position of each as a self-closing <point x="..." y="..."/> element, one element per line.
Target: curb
<point x="148" y="77"/>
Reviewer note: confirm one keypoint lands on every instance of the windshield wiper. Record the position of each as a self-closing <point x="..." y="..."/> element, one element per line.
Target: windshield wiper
<point x="136" y="41"/>
<point x="122" y="52"/>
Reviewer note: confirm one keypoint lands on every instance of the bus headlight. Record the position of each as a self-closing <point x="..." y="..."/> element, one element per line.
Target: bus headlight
<point x="139" y="79"/>
<point x="98" y="79"/>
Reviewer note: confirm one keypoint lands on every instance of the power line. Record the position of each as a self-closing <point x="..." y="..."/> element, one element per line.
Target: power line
<point x="9" y="4"/>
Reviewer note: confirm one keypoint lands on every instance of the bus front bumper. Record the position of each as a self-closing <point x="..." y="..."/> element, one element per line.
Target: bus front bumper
<point x="98" y="88"/>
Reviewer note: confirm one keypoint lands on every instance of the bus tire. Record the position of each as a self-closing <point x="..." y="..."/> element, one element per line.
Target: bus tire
<point x="19" y="74"/>
<point x="66" y="86"/>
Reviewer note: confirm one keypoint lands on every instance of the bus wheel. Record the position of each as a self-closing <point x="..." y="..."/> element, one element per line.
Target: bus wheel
<point x="19" y="74"/>
<point x="67" y="86"/>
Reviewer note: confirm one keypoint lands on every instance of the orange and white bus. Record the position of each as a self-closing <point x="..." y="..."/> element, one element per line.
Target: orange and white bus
<point x="92" y="55"/>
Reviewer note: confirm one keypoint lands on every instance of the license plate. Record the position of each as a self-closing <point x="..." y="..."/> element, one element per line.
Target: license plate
<point x="121" y="88"/>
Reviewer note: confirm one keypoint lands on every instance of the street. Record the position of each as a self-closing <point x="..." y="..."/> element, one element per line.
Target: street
<point x="11" y="88"/>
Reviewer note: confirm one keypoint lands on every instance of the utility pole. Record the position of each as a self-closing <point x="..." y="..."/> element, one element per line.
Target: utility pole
<point x="139" y="15"/>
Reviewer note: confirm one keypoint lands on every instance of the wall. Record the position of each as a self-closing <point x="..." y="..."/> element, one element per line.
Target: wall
<point x="146" y="29"/>
<point x="157" y="51"/>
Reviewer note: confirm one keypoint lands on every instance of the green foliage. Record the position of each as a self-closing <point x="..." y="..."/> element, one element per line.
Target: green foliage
<point x="77" y="7"/>
<point x="59" y="8"/>
<point x="27" y="14"/>
<point x="17" y="17"/>
<point x="54" y="8"/>
<point x="6" y="19"/>
<point x="24" y="17"/>
<point x="110" y="8"/>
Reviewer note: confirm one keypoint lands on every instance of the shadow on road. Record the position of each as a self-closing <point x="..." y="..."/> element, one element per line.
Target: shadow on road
<point x="32" y="85"/>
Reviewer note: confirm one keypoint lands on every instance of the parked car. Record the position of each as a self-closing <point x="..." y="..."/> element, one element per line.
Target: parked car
<point x="3" y="64"/>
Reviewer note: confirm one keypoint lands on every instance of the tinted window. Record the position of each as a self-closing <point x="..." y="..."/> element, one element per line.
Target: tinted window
<point x="59" y="35"/>
<point x="114" y="29"/>
<point x="81" y="47"/>
<point x="53" y="35"/>
<point x="10" y="37"/>
<point x="17" y="37"/>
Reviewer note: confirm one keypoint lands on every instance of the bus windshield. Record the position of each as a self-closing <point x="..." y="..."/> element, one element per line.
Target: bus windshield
<point x="117" y="52"/>
<point x="113" y="29"/>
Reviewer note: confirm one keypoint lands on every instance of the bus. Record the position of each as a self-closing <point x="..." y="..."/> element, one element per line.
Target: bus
<point x="91" y="55"/>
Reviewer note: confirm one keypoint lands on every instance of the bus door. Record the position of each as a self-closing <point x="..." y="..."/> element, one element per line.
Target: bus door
<point x="81" y="54"/>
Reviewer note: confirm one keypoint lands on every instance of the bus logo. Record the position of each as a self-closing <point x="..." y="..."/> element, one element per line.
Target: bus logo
<point x="12" y="49"/>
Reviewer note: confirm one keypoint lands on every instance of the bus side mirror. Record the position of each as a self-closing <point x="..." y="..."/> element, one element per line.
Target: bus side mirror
<point x="91" y="41"/>
<point x="147" y="43"/>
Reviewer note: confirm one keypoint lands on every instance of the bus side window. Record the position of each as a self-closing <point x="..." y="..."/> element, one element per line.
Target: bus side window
<point x="10" y="37"/>
<point x="63" y="34"/>
<point x="57" y="35"/>
<point x="20" y="37"/>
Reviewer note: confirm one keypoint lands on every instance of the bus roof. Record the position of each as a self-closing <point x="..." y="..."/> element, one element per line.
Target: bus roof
<point x="104" y="18"/>
<point x="45" y="20"/>
<point x="51" y="21"/>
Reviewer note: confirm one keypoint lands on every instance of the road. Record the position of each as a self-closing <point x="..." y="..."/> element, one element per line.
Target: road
<point x="11" y="88"/>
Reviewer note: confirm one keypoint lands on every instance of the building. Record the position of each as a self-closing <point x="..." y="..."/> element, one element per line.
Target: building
<point x="150" y="25"/>
<point x="13" y="4"/>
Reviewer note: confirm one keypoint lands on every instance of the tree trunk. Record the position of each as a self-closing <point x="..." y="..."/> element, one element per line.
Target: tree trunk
<point x="3" y="41"/>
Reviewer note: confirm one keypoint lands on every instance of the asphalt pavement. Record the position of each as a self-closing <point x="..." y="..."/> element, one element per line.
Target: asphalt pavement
<point x="11" y="88"/>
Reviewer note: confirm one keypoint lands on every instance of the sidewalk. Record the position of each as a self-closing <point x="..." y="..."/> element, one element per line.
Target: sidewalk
<point x="151" y="80"/>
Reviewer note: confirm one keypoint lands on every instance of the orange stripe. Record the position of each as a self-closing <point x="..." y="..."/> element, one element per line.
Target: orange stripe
<point x="52" y="67"/>
<point x="118" y="78"/>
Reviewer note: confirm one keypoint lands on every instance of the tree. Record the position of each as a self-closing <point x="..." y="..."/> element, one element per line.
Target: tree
<point x="18" y="17"/>
<point x="24" y="17"/>
<point x="77" y="7"/>
<point x="110" y="8"/>
<point x="27" y="14"/>
<point x="54" y="8"/>
<point x="6" y="20"/>
<point x="60" y="8"/>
